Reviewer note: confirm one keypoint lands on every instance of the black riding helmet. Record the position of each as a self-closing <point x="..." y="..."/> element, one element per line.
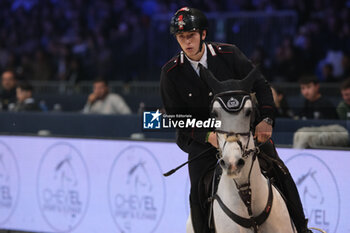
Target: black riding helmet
<point x="189" y="19"/>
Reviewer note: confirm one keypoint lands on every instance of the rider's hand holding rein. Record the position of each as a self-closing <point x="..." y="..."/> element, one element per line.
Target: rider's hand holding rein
<point x="263" y="131"/>
<point x="212" y="139"/>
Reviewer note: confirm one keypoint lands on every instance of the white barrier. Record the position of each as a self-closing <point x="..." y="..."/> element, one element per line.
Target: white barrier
<point x="102" y="186"/>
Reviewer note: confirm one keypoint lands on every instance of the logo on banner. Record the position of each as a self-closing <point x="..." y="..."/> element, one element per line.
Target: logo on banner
<point x="63" y="187"/>
<point x="318" y="191"/>
<point x="136" y="190"/>
<point x="9" y="183"/>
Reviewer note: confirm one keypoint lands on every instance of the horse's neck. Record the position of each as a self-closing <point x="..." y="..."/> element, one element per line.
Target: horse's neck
<point x="258" y="184"/>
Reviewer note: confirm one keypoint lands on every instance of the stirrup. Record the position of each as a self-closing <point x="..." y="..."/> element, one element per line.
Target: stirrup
<point x="317" y="229"/>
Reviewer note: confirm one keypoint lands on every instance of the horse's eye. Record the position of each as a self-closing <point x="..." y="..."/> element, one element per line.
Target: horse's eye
<point x="248" y="112"/>
<point x="214" y="113"/>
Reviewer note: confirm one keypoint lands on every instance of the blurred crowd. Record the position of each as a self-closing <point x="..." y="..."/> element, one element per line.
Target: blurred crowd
<point x="77" y="40"/>
<point x="321" y="46"/>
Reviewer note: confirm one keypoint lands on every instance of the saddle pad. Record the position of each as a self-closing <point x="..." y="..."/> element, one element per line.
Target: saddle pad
<point x="208" y="185"/>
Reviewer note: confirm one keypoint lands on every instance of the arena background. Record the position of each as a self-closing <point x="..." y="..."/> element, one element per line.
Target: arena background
<point x="61" y="46"/>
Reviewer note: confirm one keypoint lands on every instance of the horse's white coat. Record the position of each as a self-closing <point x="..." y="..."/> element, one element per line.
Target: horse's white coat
<point x="279" y="219"/>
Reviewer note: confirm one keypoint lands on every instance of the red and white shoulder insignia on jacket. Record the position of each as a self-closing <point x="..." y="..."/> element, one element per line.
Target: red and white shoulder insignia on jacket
<point x="171" y="64"/>
<point x="182" y="57"/>
<point x="211" y="49"/>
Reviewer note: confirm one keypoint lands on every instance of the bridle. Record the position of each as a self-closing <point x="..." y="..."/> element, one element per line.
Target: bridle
<point x="244" y="189"/>
<point x="244" y="149"/>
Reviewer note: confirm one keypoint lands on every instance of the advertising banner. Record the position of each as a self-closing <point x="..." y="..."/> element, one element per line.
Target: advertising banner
<point x="94" y="186"/>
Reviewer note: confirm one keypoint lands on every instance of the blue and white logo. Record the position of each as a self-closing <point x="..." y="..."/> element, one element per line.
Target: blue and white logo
<point x="9" y="183"/>
<point x="152" y="120"/>
<point x="318" y="190"/>
<point x="137" y="192"/>
<point x="63" y="187"/>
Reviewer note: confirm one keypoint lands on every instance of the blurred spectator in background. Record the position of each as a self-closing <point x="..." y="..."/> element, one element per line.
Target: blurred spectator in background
<point x="327" y="73"/>
<point x="346" y="66"/>
<point x="343" y="108"/>
<point x="77" y="40"/>
<point x="100" y="101"/>
<point x="8" y="89"/>
<point x="286" y="67"/>
<point x="281" y="104"/>
<point x="315" y="105"/>
<point x="259" y="58"/>
<point x="42" y="69"/>
<point x="25" y="100"/>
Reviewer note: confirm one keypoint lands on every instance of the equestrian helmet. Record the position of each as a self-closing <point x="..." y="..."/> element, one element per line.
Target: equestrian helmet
<point x="188" y="19"/>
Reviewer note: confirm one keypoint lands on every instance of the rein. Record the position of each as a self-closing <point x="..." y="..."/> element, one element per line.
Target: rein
<point x="252" y="222"/>
<point x="245" y="191"/>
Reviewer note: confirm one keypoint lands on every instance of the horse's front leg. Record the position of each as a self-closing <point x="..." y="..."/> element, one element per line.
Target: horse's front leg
<point x="189" y="226"/>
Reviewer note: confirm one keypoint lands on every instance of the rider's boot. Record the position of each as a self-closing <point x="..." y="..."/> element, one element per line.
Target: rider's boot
<point x="304" y="229"/>
<point x="286" y="185"/>
<point x="294" y="205"/>
<point x="199" y="219"/>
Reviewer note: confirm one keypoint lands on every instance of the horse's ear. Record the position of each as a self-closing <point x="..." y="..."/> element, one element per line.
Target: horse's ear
<point x="210" y="79"/>
<point x="247" y="83"/>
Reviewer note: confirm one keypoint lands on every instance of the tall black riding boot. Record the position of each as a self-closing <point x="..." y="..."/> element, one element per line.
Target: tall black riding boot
<point x="294" y="205"/>
<point x="286" y="185"/>
<point x="199" y="219"/>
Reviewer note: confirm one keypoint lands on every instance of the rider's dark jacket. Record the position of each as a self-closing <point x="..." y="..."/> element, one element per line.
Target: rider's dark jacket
<point x="183" y="91"/>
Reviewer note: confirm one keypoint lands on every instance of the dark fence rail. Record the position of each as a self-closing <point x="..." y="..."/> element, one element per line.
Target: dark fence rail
<point x="121" y="126"/>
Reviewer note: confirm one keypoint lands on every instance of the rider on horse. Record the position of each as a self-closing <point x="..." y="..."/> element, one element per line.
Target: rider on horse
<point x="183" y="91"/>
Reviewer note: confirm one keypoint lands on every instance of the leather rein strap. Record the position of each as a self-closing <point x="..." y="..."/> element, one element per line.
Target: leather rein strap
<point x="252" y="222"/>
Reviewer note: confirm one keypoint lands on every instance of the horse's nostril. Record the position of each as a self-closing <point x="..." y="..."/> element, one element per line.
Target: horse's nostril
<point x="222" y="163"/>
<point x="240" y="163"/>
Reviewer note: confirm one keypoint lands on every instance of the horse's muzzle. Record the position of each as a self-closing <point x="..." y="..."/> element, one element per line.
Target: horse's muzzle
<point x="232" y="169"/>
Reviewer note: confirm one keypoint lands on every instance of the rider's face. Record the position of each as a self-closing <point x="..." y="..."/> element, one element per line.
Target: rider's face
<point x="189" y="43"/>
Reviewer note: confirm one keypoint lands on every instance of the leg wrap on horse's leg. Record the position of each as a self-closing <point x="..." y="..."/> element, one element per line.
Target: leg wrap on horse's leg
<point x="286" y="184"/>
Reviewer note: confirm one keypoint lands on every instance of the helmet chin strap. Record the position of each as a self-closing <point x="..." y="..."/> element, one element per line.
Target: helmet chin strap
<point x="201" y="42"/>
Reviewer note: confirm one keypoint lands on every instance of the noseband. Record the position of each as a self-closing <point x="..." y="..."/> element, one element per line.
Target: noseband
<point x="234" y="137"/>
